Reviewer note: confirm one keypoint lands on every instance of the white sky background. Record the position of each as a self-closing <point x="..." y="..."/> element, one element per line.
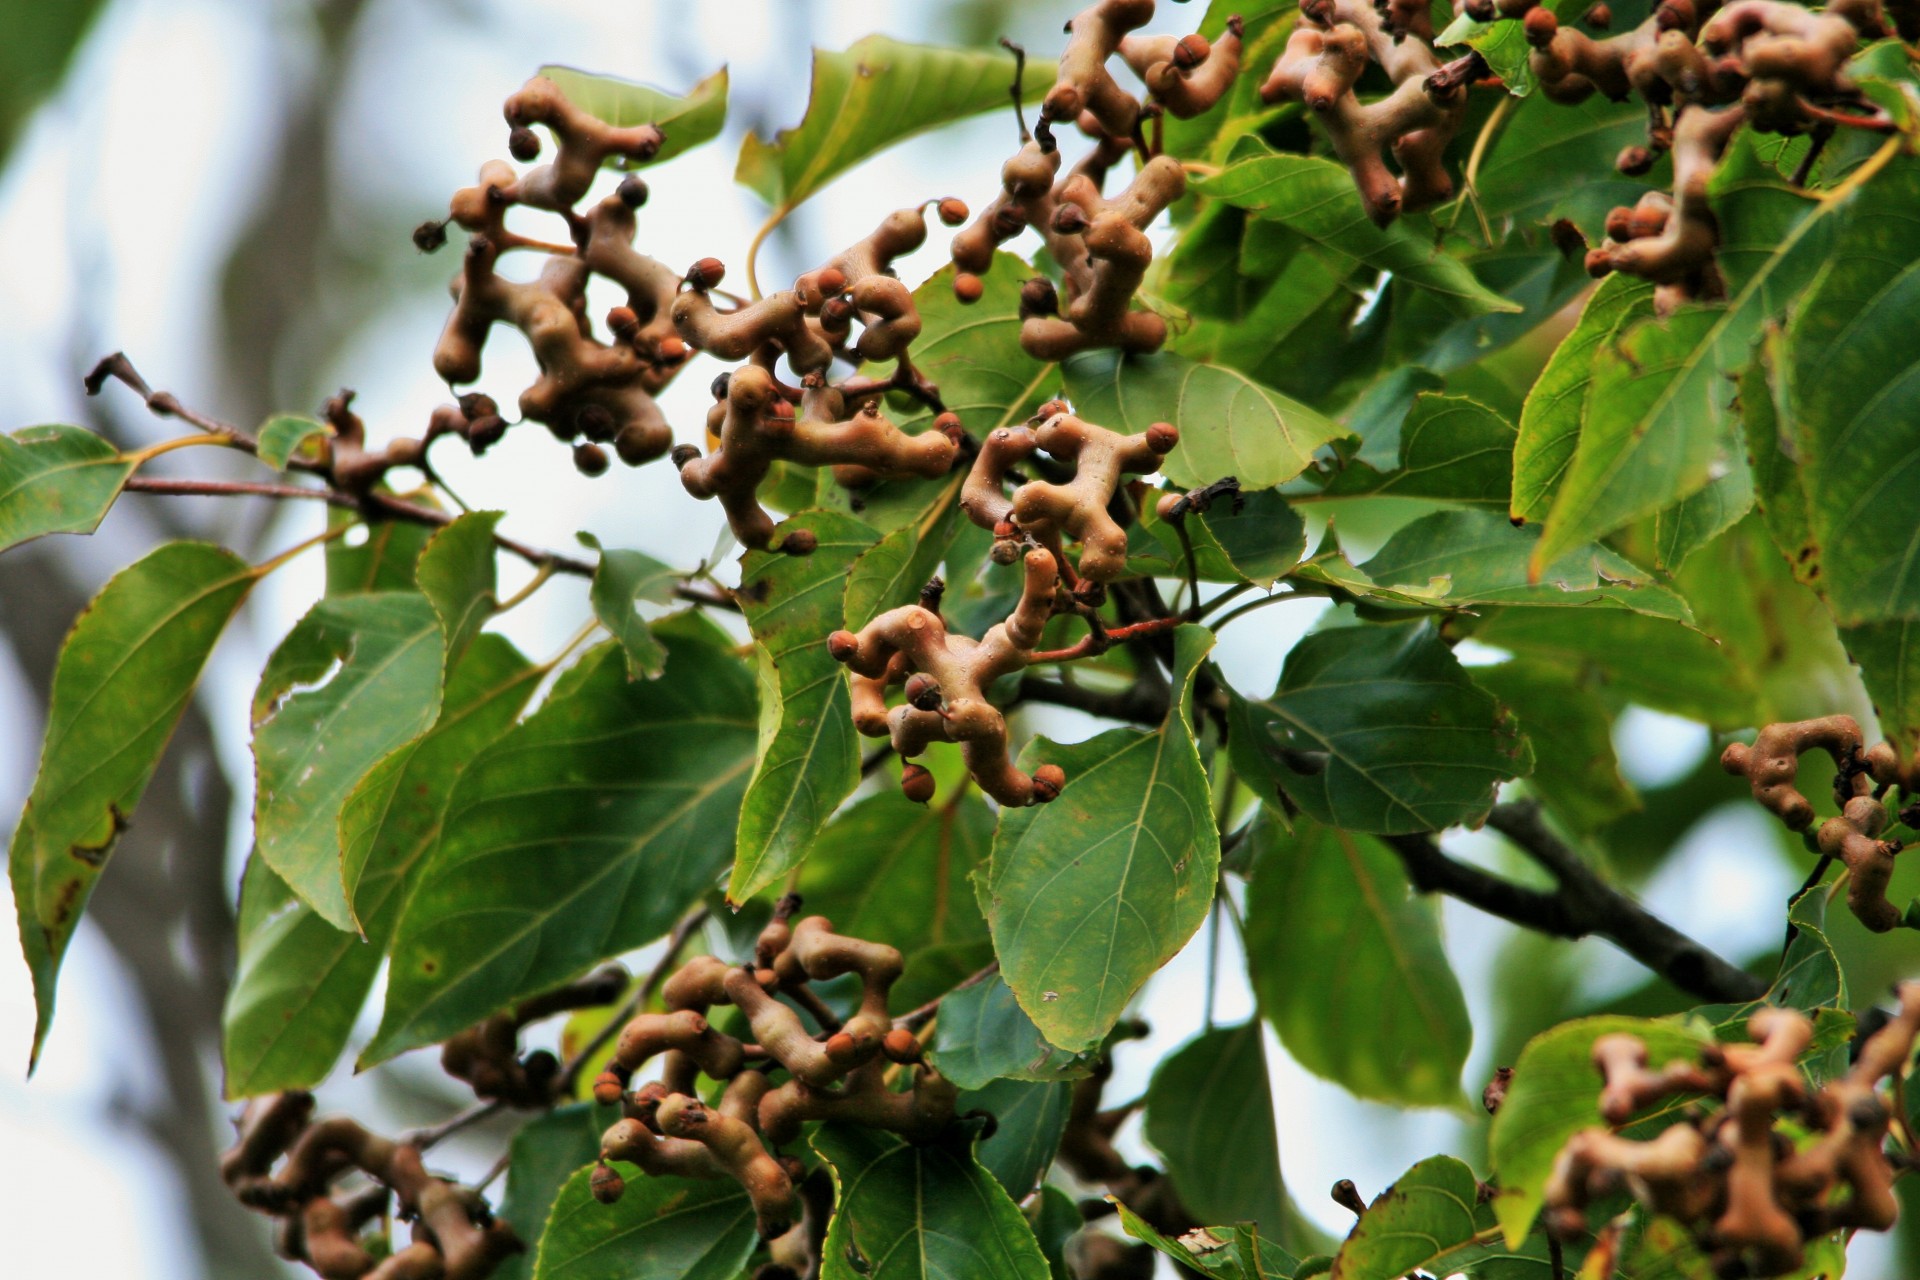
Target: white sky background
<point x="115" y="209"/>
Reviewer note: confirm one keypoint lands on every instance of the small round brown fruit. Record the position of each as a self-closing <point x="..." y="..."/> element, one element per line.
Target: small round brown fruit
<point x="607" y="1089"/>
<point x="800" y="542"/>
<point x="606" y="1185"/>
<point x="621" y="322"/>
<point x="524" y="144"/>
<point x="1541" y="26"/>
<point x="1191" y="51"/>
<point x="632" y="191"/>
<point x="968" y="287"/>
<point x="590" y="459"/>
<point x="1162" y="436"/>
<point x="923" y="692"/>
<point x="901" y="1045"/>
<point x="917" y="783"/>
<point x="843" y="645"/>
<point x="1048" y="780"/>
<point x="706" y="273"/>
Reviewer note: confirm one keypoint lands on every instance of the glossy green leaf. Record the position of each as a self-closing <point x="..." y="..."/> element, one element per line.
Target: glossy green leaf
<point x="122" y="681"/>
<point x="685" y="122"/>
<point x="291" y="960"/>
<point x="1557" y="403"/>
<point x="1579" y="778"/>
<point x="893" y="570"/>
<point x="1854" y="422"/>
<point x="1230" y="1253"/>
<point x="1665" y="665"/>
<point x="877" y="92"/>
<point x="907" y="1212"/>
<point x="1055" y="1220"/>
<point x="1414" y="1225"/>
<point x="1451" y="448"/>
<point x="892" y="871"/>
<point x="1229" y="424"/>
<point x="809" y="754"/>
<point x="457" y="575"/>
<point x="1552" y="160"/>
<point x="56" y="479"/>
<point x="1314" y="197"/>
<point x="548" y="1150"/>
<point x="583" y="832"/>
<point x="1029" y="1117"/>
<point x="620" y="581"/>
<point x="1478" y="558"/>
<point x="1268" y="302"/>
<point x="1378" y="728"/>
<point x="356" y="678"/>
<point x="1254" y="538"/>
<point x="1656" y="427"/>
<point x="1321" y="893"/>
<point x="1090" y="894"/>
<point x="1555" y="1094"/>
<point x="983" y="1035"/>
<point x="1210" y="1116"/>
<point x="661" y="1229"/>
<point x="285" y="437"/>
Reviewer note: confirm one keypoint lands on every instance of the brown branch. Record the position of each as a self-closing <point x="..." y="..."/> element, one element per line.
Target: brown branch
<point x="920" y="1017"/>
<point x="1581" y="905"/>
<point x="676" y="942"/>
<point x="1139" y="702"/>
<point x="239" y="489"/>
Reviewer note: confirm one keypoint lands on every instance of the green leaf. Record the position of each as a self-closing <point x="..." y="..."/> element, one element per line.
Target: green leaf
<point x="685" y="122"/>
<point x="285" y="436"/>
<point x="809" y="753"/>
<point x="557" y="851"/>
<point x="892" y="571"/>
<point x="1656" y="427"/>
<point x="1256" y="538"/>
<point x="984" y="1035"/>
<point x="122" y="681"/>
<point x="620" y="581"/>
<point x="1314" y="197"/>
<point x="1090" y="894"/>
<point x="874" y="94"/>
<point x="457" y="575"/>
<point x="1055" y="1219"/>
<point x="1552" y="160"/>
<point x="1321" y="893"/>
<point x="1854" y="422"/>
<point x="1579" y="779"/>
<point x="1229" y="424"/>
<point x="1478" y="558"/>
<point x="896" y="872"/>
<point x="1502" y="44"/>
<point x="1557" y="403"/>
<point x="906" y="1212"/>
<point x="546" y="1152"/>
<point x="1426" y="1215"/>
<point x="1231" y="1253"/>
<point x="384" y="561"/>
<point x="1699" y="518"/>
<point x="1029" y="1117"/>
<point x="1378" y="728"/>
<point x="1661" y="664"/>
<point x="56" y="479"/>
<point x="661" y="1229"/>
<point x="1451" y="448"/>
<point x="293" y="960"/>
<point x="367" y="669"/>
<point x="1210" y="1116"/>
<point x="1555" y="1094"/>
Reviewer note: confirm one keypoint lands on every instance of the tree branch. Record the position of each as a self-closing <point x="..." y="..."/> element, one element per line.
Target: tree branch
<point x="1581" y="905"/>
<point x="1139" y="702"/>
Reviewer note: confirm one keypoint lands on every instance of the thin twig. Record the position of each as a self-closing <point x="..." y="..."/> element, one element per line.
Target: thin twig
<point x="423" y="1139"/>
